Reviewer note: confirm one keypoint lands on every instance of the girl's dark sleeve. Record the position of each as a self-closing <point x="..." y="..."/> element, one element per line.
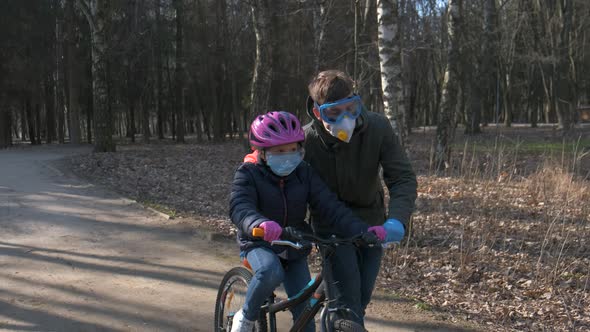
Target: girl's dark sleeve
<point x="243" y="203"/>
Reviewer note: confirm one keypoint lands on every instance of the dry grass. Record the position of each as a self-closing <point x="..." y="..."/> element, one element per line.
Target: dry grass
<point x="502" y="239"/>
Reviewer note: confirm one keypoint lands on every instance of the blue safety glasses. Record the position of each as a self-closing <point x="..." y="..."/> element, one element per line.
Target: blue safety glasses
<point x="334" y="112"/>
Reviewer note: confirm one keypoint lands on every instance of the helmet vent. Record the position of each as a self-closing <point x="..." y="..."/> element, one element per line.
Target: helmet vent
<point x="283" y="123"/>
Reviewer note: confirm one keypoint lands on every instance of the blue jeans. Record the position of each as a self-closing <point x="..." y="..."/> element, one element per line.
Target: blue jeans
<point x="355" y="271"/>
<point x="268" y="275"/>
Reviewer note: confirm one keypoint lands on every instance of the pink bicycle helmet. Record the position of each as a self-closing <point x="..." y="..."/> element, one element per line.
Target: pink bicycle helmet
<point x="275" y="128"/>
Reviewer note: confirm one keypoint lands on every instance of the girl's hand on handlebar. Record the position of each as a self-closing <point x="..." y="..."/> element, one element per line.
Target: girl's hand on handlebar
<point x="272" y="230"/>
<point x="290" y="236"/>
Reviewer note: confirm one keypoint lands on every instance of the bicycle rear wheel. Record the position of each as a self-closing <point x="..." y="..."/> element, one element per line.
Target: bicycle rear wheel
<point x="231" y="296"/>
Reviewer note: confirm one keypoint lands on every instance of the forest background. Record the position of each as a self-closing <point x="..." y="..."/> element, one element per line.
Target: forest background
<point x="489" y="97"/>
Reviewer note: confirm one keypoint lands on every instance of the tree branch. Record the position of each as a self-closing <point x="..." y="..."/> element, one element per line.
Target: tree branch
<point x="503" y="4"/>
<point x="86" y="11"/>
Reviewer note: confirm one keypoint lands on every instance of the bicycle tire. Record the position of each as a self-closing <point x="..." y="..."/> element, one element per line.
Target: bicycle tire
<point x="343" y="325"/>
<point x="235" y="282"/>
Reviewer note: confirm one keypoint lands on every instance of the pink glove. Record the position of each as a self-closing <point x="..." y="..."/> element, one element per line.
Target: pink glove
<point x="272" y="230"/>
<point x="379" y="231"/>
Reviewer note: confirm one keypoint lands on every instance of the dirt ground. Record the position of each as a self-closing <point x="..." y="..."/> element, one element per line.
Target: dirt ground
<point x="75" y="256"/>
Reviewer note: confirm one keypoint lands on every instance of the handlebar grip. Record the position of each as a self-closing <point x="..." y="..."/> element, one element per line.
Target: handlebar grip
<point x="257" y="232"/>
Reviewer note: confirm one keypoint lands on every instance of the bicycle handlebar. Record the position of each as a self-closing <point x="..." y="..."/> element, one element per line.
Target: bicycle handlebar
<point x="296" y="235"/>
<point x="259" y="232"/>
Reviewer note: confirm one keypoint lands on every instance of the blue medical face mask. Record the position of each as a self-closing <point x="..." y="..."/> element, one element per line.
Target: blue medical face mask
<point x="282" y="164"/>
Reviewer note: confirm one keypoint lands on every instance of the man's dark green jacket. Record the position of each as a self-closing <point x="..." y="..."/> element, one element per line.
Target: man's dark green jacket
<point x="353" y="170"/>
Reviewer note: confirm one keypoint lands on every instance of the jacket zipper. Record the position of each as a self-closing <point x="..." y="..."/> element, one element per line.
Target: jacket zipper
<point x="282" y="185"/>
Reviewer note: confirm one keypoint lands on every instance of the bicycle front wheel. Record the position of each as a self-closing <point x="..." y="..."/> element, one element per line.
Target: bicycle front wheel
<point x="231" y="297"/>
<point x="343" y="325"/>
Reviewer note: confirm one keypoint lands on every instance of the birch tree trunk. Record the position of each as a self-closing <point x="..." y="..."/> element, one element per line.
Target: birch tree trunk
<point x="319" y="16"/>
<point x="261" y="81"/>
<point x="445" y="130"/>
<point x="391" y="66"/>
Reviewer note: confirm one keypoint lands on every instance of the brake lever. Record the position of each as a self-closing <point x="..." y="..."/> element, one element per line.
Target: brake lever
<point x="287" y="243"/>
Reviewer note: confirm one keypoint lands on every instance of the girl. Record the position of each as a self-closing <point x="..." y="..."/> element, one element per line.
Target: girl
<point x="274" y="193"/>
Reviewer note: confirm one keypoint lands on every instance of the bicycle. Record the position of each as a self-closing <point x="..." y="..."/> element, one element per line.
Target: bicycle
<point x="319" y="292"/>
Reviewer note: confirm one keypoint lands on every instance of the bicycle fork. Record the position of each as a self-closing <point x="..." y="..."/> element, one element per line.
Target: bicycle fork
<point x="331" y="310"/>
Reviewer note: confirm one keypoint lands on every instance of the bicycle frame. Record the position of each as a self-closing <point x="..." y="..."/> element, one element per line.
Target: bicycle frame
<point x="319" y="292"/>
<point x="303" y="296"/>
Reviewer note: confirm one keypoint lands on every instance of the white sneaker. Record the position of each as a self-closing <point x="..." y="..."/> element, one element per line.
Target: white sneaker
<point x="241" y="324"/>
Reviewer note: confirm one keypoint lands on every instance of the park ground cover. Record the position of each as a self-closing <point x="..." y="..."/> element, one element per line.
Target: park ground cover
<point x="500" y="237"/>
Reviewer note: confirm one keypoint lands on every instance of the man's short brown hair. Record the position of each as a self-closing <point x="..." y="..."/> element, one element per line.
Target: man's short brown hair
<point x="330" y="85"/>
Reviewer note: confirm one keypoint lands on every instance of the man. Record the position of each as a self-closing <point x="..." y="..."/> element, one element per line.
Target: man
<point x="347" y="146"/>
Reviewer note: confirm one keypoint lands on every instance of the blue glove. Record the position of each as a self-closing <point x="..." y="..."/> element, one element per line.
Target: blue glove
<point x="395" y="230"/>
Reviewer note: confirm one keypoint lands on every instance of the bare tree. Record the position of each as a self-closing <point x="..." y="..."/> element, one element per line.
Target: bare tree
<point x="73" y="75"/>
<point x="158" y="64"/>
<point x="320" y="10"/>
<point x="97" y="14"/>
<point x="5" y="124"/>
<point x="59" y="74"/>
<point x="48" y="82"/>
<point x="445" y="130"/>
<point x="564" y="71"/>
<point x="261" y="80"/>
<point x="179" y="72"/>
<point x="484" y="89"/>
<point x="391" y="66"/>
<point x="522" y="56"/>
